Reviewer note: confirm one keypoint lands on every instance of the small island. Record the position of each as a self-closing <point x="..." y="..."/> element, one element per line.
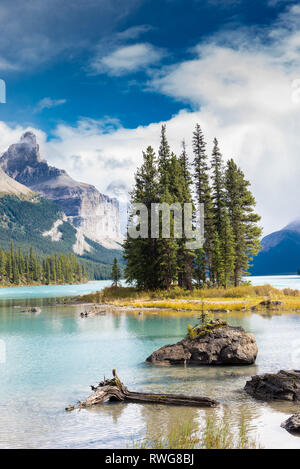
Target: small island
<point x="211" y="343"/>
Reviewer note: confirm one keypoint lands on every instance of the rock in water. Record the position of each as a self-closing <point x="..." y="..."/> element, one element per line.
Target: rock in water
<point x="284" y="385"/>
<point x="222" y="346"/>
<point x="33" y="309"/>
<point x="292" y="424"/>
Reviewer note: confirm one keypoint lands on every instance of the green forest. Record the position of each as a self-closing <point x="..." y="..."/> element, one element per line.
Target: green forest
<point x="24" y="221"/>
<point x="231" y="231"/>
<point x="26" y="268"/>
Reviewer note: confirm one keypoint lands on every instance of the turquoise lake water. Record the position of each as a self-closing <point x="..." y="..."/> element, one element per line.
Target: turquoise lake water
<point x="51" y="359"/>
<point x="52" y="291"/>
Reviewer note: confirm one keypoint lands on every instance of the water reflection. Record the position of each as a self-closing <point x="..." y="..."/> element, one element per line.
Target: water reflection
<point x="52" y="358"/>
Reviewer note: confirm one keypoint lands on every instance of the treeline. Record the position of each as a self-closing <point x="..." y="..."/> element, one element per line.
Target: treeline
<point x="21" y="268"/>
<point x="231" y="231"/>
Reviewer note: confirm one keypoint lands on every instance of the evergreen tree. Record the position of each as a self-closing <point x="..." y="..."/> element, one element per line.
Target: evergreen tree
<point x="243" y="219"/>
<point x="218" y="262"/>
<point x="227" y="250"/>
<point x="185" y="256"/>
<point x="141" y="253"/>
<point x="16" y="268"/>
<point x="115" y="273"/>
<point x="169" y="174"/>
<point x="203" y="261"/>
<point x="218" y="185"/>
<point x="2" y="265"/>
<point x="230" y="224"/>
<point x="184" y="162"/>
<point x="164" y="155"/>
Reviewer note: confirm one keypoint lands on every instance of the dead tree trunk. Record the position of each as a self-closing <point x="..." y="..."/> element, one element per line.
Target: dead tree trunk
<point x="114" y="390"/>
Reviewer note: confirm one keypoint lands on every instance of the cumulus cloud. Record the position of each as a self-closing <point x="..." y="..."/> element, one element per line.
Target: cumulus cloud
<point x="127" y="59"/>
<point x="242" y="87"/>
<point x="48" y="103"/>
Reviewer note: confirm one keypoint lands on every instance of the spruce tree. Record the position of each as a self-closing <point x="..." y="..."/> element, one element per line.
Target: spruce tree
<point x="167" y="265"/>
<point x="141" y="253"/>
<point x="185" y="256"/>
<point x="164" y="155"/>
<point x="227" y="250"/>
<point x="115" y="273"/>
<point x="243" y="219"/>
<point x="203" y="262"/>
<point x="169" y="173"/>
<point x="184" y="163"/>
<point x="218" y="186"/>
<point x="218" y="262"/>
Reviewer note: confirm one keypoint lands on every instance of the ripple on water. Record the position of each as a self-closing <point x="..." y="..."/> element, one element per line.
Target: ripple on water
<point x="52" y="358"/>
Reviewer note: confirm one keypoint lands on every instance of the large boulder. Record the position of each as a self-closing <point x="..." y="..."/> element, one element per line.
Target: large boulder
<point x="223" y="346"/>
<point x="284" y="385"/>
<point x="292" y="424"/>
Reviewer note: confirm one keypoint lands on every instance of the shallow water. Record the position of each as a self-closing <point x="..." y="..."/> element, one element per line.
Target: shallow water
<point x="53" y="357"/>
<point x="52" y="291"/>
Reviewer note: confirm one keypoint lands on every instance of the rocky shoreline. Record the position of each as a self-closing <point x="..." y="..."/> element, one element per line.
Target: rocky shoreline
<point x="284" y="385"/>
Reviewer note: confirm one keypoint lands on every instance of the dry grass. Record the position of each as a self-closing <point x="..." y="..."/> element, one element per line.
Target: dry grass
<point x="233" y="299"/>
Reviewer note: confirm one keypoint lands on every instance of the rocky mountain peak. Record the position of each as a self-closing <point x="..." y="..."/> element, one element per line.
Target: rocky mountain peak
<point x="29" y="138"/>
<point x="21" y="155"/>
<point x="95" y="214"/>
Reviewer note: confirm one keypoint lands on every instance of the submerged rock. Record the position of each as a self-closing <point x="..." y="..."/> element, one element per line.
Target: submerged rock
<point x="33" y="309"/>
<point x="292" y="424"/>
<point x="219" y="311"/>
<point x="269" y="303"/>
<point x="284" y="385"/>
<point x="223" y="346"/>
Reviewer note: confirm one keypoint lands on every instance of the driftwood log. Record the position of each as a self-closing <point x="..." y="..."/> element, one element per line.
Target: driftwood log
<point x="114" y="390"/>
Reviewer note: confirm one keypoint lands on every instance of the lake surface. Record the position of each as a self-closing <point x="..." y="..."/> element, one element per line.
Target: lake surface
<point x="277" y="281"/>
<point x="52" y="358"/>
<point x="52" y="291"/>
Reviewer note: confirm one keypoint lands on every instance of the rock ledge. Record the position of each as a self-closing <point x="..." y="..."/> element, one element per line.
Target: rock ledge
<point x="284" y="385"/>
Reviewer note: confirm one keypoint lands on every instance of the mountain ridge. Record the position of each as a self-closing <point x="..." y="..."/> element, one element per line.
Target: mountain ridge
<point x="94" y="214"/>
<point x="39" y="223"/>
<point x="9" y="186"/>
<point x="280" y="254"/>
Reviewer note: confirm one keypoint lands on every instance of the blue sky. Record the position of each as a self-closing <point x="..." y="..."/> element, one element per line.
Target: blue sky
<point x="96" y="78"/>
<point x="58" y="66"/>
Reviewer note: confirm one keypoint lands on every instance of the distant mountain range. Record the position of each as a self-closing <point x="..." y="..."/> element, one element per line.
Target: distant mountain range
<point x="43" y="207"/>
<point x="280" y="254"/>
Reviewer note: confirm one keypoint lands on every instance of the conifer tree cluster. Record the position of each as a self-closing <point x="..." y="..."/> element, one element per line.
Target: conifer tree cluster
<point x="19" y="268"/>
<point x="231" y="231"/>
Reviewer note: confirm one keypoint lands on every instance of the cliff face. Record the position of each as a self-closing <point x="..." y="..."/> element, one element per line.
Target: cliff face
<point x="93" y="213"/>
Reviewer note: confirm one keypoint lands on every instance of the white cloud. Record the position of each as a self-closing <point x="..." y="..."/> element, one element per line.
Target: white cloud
<point x="48" y="103"/>
<point x="127" y="59"/>
<point x="240" y="88"/>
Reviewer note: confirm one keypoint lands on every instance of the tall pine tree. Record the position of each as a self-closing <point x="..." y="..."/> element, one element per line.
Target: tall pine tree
<point x="246" y="232"/>
<point x="141" y="253"/>
<point x="203" y="261"/>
